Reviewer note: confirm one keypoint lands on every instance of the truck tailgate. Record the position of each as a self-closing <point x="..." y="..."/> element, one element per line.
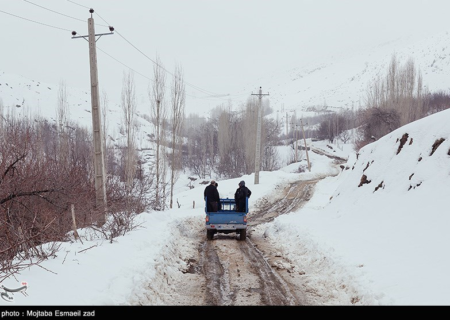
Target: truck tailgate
<point x="225" y="217"/>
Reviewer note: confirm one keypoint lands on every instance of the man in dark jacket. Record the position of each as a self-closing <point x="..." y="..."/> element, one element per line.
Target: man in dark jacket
<point x="240" y="196"/>
<point x="212" y="198"/>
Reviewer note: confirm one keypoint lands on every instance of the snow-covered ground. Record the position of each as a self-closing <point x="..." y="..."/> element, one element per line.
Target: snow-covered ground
<point x="387" y="238"/>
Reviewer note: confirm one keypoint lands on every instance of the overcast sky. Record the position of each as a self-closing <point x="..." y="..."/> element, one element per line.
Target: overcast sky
<point x="224" y="47"/>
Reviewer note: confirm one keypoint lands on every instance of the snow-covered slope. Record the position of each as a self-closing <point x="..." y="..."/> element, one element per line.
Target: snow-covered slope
<point x="342" y="81"/>
<point x="338" y="82"/>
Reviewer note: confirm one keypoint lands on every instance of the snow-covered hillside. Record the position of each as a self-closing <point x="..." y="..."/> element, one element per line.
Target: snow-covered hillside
<point x="31" y="98"/>
<point x="339" y="82"/>
<point x="377" y="244"/>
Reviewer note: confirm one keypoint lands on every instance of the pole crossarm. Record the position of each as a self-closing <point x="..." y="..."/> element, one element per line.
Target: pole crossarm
<point x="96" y="35"/>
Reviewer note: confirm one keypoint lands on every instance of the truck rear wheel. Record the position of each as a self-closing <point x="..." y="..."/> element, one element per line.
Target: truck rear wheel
<point x="243" y="234"/>
<point x="209" y="234"/>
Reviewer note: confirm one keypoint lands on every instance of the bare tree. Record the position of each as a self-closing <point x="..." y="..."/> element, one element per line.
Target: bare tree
<point x="159" y="116"/>
<point x="379" y="122"/>
<point x="129" y="110"/>
<point x="178" y="103"/>
<point x="104" y="111"/>
<point x="36" y="191"/>
<point x="247" y="141"/>
<point x="2" y="116"/>
<point x="225" y="147"/>
<point x="225" y="144"/>
<point x="62" y="112"/>
<point x="396" y="100"/>
<point x="389" y="94"/>
<point x="435" y="102"/>
<point x="345" y="136"/>
<point x="270" y="154"/>
<point x="199" y="158"/>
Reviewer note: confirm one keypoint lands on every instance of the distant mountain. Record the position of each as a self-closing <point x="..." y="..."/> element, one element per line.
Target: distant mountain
<point x="24" y="97"/>
<point x="342" y="81"/>
<point x="330" y="85"/>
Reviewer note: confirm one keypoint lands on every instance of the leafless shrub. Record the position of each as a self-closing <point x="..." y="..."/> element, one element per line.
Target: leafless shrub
<point x="436" y="102"/>
<point x="38" y="183"/>
<point x="12" y="267"/>
<point x="379" y="122"/>
<point x="117" y="224"/>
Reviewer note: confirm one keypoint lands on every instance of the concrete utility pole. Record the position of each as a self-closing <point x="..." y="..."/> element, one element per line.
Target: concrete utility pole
<point x="258" y="136"/>
<point x="296" y="135"/>
<point x="306" y="148"/>
<point x="99" y="160"/>
<point x="287" y="127"/>
<point x="296" y="142"/>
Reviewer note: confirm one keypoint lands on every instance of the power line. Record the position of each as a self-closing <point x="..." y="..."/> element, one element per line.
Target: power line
<point x="84" y="21"/>
<point x="78" y="4"/>
<point x="148" y="78"/>
<point x="189" y="84"/>
<point x="44" y="24"/>
<point x="62" y="14"/>
<point x="158" y="65"/>
<point x="209" y="94"/>
<point x="142" y="75"/>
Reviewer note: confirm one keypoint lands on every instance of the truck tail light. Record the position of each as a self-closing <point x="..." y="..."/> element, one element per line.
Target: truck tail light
<point x="245" y="219"/>
<point x="207" y="219"/>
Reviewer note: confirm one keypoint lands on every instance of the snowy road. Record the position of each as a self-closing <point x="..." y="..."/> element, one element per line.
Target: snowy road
<point x="228" y="272"/>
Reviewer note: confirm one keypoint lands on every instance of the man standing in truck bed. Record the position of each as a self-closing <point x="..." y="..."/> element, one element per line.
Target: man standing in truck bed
<point x="212" y="198"/>
<point x="240" y="196"/>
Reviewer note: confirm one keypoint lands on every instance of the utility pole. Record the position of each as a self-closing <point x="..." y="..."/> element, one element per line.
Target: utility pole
<point x="258" y="136"/>
<point x="296" y="135"/>
<point x="306" y="148"/>
<point x="287" y="125"/>
<point x="296" y="142"/>
<point x="99" y="160"/>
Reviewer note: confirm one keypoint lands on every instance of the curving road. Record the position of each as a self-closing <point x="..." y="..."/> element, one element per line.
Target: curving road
<point x="228" y="272"/>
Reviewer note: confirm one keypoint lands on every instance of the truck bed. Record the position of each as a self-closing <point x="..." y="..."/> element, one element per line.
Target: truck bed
<point x="226" y="220"/>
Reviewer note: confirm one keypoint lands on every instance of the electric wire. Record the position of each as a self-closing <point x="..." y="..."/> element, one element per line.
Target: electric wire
<point x="209" y="94"/>
<point x="65" y="15"/>
<point x="78" y="4"/>
<point x="62" y="14"/>
<point x="44" y="24"/>
<point x="142" y="75"/>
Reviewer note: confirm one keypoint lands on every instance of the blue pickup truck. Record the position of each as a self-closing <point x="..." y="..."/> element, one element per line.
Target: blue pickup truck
<point x="226" y="220"/>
